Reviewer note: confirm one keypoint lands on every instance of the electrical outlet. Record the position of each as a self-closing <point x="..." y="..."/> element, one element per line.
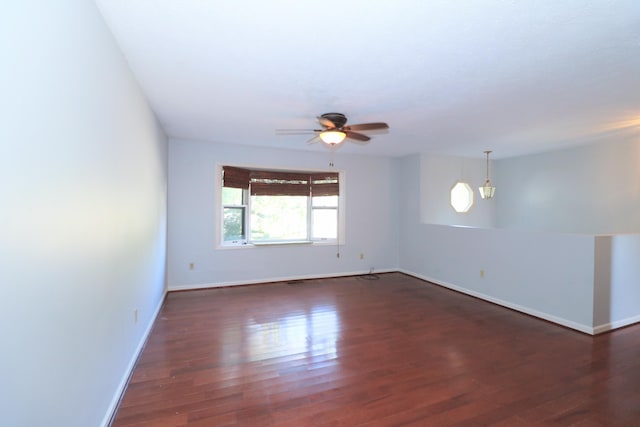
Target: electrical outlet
<point x="191" y="266"/>
<point x="361" y="255"/>
<point x="482" y="273"/>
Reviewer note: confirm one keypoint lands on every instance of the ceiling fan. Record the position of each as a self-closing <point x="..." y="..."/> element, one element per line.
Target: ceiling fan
<point x="335" y="130"/>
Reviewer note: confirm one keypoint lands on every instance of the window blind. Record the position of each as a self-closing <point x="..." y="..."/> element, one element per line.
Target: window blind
<point x="235" y="177"/>
<point x="325" y="184"/>
<point x="279" y="183"/>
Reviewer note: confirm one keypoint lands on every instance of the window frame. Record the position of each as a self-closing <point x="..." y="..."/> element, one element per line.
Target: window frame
<point x="247" y="243"/>
<point x="244" y="206"/>
<point x="311" y="209"/>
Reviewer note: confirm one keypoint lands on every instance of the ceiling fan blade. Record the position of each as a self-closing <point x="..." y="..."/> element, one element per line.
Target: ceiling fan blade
<point x="368" y="126"/>
<point x="326" y="123"/>
<point x="314" y="140"/>
<point x="356" y="136"/>
<point x="296" y="131"/>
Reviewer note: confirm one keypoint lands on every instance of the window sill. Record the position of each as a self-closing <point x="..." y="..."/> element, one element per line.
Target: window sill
<point x="332" y="242"/>
<point x="293" y="242"/>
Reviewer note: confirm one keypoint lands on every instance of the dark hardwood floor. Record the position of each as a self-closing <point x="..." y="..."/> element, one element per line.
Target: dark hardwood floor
<point x="393" y="351"/>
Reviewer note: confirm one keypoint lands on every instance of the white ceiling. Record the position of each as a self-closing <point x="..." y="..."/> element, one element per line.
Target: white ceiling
<point x="449" y="77"/>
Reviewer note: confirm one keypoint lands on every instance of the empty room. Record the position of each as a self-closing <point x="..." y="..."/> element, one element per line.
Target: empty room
<point x="275" y="213"/>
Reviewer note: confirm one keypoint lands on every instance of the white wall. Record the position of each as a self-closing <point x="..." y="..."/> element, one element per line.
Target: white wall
<point x="406" y="195"/>
<point x="558" y="268"/>
<point x="438" y="174"/>
<point x="83" y="216"/>
<point x="617" y="285"/>
<point x="193" y="217"/>
<point x="549" y="275"/>
<point x="592" y="189"/>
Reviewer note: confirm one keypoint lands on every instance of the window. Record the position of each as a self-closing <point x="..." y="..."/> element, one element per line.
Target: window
<point x="233" y="212"/>
<point x="461" y="197"/>
<point x="324" y="217"/>
<point x="267" y="206"/>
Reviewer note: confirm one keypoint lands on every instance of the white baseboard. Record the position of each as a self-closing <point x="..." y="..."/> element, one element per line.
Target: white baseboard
<point x="523" y="309"/>
<point x="616" y="324"/>
<point x="189" y="287"/>
<point x="106" y="421"/>
<point x="527" y="310"/>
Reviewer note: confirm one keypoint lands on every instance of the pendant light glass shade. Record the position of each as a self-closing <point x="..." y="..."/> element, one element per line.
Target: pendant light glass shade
<point x="332" y="137"/>
<point x="487" y="190"/>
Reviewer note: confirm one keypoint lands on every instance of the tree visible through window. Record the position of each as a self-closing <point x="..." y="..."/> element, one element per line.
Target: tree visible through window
<point x="263" y="206"/>
<point x="233" y="213"/>
<point x="278" y="218"/>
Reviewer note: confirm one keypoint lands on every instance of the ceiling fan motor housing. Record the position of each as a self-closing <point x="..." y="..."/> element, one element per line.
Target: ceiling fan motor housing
<point x="338" y="119"/>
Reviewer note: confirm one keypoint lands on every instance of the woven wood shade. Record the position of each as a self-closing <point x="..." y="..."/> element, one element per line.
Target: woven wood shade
<point x="278" y="183"/>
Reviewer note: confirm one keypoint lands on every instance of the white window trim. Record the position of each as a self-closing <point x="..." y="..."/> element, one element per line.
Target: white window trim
<point x="341" y="240"/>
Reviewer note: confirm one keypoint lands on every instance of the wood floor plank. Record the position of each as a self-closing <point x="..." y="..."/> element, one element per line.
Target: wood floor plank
<point x="386" y="352"/>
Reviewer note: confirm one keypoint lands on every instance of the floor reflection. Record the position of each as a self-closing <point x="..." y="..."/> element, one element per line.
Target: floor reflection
<point x="311" y="333"/>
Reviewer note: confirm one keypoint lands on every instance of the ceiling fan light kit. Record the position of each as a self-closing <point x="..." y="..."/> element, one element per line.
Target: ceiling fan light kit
<point x="332" y="137"/>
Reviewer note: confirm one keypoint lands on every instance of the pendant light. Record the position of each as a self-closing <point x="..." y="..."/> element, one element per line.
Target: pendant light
<point x="487" y="190"/>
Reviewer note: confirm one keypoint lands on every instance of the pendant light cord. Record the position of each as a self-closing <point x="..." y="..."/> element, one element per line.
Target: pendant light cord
<point x="338" y="229"/>
<point x="487" y="153"/>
